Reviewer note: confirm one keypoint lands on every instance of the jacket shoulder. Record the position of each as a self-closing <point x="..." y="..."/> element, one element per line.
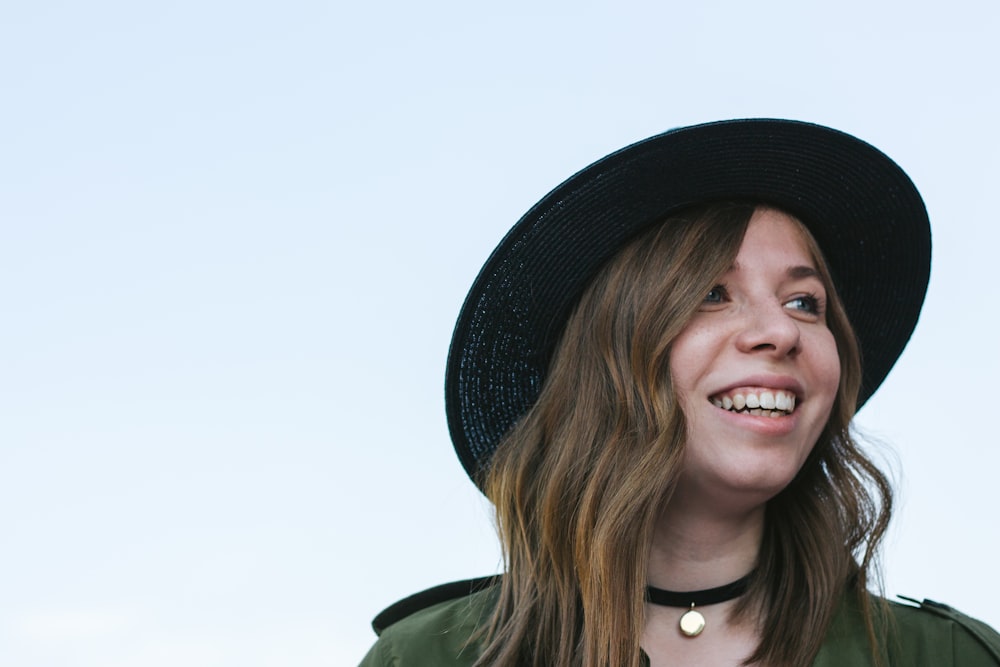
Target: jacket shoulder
<point x="927" y="627"/>
<point x="430" y="597"/>
<point x="434" y="627"/>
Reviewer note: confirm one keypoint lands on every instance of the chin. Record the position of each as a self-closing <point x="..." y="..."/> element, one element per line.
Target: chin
<point x="752" y="484"/>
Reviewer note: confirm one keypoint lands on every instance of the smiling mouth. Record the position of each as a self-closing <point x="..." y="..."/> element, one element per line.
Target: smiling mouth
<point x="759" y="403"/>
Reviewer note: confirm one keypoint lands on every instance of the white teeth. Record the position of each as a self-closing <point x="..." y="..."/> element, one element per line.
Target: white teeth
<point x="768" y="403"/>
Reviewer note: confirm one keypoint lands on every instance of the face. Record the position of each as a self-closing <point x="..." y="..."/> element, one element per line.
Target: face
<point x="756" y="370"/>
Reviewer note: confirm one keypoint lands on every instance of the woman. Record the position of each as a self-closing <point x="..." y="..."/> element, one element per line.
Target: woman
<point x="653" y="379"/>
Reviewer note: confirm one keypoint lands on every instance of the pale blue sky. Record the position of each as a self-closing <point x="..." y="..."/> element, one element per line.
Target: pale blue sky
<point x="234" y="238"/>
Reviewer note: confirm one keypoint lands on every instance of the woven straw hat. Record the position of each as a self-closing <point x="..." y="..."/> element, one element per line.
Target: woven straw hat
<point x="863" y="210"/>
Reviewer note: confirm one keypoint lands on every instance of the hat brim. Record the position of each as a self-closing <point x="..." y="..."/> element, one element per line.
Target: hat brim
<point x="864" y="211"/>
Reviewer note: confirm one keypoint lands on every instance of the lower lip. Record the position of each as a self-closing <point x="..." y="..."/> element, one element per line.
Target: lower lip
<point x="771" y="426"/>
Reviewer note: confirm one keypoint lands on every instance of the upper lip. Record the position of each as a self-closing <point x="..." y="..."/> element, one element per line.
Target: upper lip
<point x="765" y="381"/>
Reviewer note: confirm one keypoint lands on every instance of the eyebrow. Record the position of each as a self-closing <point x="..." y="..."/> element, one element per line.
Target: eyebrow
<point x="800" y="272"/>
<point x="797" y="272"/>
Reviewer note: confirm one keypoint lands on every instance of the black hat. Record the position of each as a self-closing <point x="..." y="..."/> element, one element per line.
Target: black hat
<point x="863" y="210"/>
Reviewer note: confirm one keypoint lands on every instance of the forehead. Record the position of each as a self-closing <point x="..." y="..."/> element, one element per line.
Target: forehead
<point x="776" y="240"/>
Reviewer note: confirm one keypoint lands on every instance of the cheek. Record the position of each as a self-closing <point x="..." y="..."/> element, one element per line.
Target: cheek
<point x="826" y="366"/>
<point x="686" y="355"/>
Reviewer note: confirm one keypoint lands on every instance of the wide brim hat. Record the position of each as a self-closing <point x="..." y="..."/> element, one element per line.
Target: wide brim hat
<point x="863" y="210"/>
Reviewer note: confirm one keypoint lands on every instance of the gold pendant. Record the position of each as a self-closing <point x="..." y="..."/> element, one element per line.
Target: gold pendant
<point x="692" y="622"/>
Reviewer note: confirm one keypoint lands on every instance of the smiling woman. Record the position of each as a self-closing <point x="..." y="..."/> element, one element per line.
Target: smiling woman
<point x="653" y="380"/>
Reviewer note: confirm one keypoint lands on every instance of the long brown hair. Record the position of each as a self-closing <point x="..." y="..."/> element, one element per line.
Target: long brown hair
<point x="579" y="482"/>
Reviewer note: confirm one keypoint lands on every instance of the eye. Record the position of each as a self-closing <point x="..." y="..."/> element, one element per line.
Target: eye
<point x="716" y="295"/>
<point x="807" y="303"/>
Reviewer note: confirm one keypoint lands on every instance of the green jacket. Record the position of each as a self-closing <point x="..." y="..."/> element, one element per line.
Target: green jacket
<point x="929" y="634"/>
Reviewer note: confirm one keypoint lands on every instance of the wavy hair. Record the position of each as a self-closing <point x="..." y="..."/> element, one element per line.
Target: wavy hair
<point x="579" y="482"/>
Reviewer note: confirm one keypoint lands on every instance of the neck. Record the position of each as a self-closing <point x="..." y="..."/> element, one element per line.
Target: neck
<point x="696" y="548"/>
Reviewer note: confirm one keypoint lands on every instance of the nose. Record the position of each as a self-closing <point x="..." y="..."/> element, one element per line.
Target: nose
<point x="768" y="328"/>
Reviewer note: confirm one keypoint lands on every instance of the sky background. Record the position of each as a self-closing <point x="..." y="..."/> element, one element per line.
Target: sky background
<point x="235" y="236"/>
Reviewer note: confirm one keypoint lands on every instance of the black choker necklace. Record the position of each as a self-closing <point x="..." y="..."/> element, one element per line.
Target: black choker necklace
<point x="692" y="622"/>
